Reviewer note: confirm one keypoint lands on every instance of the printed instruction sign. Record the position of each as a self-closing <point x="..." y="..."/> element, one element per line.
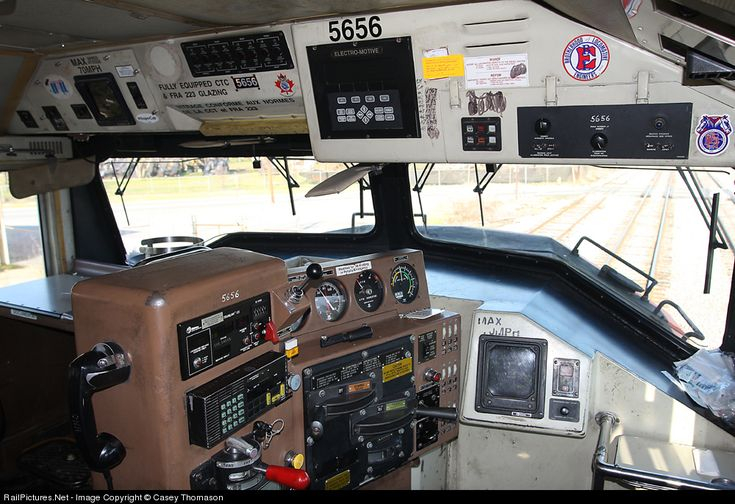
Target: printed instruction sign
<point x="498" y="71"/>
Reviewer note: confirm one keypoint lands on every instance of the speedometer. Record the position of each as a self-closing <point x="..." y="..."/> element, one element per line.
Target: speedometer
<point x="330" y="300"/>
<point x="404" y="282"/>
<point x="368" y="291"/>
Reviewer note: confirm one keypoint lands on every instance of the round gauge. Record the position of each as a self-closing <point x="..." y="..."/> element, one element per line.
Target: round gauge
<point x="404" y="282"/>
<point x="330" y="300"/>
<point x="369" y="291"/>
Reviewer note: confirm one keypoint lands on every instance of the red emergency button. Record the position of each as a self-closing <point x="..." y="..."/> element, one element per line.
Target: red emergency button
<point x="432" y="375"/>
<point x="270" y="332"/>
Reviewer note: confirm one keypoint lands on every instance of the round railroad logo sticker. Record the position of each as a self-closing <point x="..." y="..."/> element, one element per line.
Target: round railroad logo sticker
<point x="713" y="132"/>
<point x="586" y="57"/>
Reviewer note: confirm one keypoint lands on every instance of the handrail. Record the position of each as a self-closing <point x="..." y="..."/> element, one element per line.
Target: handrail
<point x="602" y="469"/>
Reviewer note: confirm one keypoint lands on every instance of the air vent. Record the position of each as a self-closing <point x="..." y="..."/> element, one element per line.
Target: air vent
<point x="41" y="148"/>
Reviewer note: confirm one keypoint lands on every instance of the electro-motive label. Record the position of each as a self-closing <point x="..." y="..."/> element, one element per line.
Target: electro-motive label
<point x="586" y="57"/>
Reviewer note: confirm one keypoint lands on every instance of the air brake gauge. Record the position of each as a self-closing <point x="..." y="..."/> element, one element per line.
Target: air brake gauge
<point x="369" y="291"/>
<point x="330" y="300"/>
<point x="404" y="282"/>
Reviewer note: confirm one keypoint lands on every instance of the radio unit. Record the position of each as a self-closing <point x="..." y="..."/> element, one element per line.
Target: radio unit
<point x="225" y="404"/>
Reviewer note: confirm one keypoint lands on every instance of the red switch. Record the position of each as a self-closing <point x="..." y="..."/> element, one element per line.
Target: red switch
<point x="270" y="332"/>
<point x="432" y="376"/>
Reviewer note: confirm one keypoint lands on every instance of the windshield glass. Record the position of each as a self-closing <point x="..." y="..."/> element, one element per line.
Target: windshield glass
<point x="647" y="217"/>
<point x="205" y="198"/>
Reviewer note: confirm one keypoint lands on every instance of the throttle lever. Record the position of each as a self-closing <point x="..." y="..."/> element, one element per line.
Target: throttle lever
<point x="443" y="413"/>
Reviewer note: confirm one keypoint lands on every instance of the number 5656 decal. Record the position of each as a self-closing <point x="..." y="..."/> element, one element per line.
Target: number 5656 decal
<point x="359" y="28"/>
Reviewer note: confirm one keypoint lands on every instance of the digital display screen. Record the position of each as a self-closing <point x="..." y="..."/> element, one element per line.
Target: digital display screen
<point x="102" y="95"/>
<point x="511" y="376"/>
<point x="511" y="371"/>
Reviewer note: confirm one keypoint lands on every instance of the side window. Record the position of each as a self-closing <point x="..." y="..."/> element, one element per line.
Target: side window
<point x="21" y="249"/>
<point x="648" y="217"/>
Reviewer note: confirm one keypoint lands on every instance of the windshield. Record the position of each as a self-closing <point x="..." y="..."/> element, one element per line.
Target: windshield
<point x="205" y="198"/>
<point x="646" y="217"/>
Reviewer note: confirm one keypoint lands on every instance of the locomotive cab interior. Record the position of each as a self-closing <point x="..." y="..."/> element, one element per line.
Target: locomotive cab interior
<point x="382" y="245"/>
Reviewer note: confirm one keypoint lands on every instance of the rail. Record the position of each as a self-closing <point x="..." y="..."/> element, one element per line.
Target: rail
<point x="602" y="469"/>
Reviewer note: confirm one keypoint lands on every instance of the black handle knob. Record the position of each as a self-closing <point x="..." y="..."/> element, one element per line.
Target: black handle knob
<point x="314" y="271"/>
<point x="598" y="141"/>
<point x="542" y="126"/>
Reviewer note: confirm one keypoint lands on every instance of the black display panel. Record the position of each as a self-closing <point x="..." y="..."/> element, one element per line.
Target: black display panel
<point x="358" y="414"/>
<point x="641" y="131"/>
<point x="103" y="97"/>
<point x="261" y="52"/>
<point x="511" y="376"/>
<point x="213" y="338"/>
<point x="365" y="89"/>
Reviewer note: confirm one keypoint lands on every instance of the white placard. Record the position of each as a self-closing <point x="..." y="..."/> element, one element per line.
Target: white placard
<point x="24" y="314"/>
<point x="499" y="71"/>
<point x="705" y="463"/>
<point x="348" y="269"/>
<point x="125" y="71"/>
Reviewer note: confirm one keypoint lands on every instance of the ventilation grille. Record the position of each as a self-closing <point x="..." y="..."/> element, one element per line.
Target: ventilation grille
<point x="45" y="147"/>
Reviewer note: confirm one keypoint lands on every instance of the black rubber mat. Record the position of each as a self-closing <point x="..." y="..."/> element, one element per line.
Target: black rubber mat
<point x="58" y="462"/>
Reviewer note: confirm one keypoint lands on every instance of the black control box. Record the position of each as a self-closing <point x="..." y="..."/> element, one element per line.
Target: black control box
<point x="225" y="404"/>
<point x="260" y="52"/>
<point x="358" y="412"/>
<point x="213" y="338"/>
<point x="481" y="134"/>
<point x="365" y="89"/>
<point x="641" y="131"/>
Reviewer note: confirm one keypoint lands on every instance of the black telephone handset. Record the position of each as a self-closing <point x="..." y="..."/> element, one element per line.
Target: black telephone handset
<point x="104" y="366"/>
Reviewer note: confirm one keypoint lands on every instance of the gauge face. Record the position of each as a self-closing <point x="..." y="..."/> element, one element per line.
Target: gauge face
<point x="404" y="282"/>
<point x="369" y="291"/>
<point x="330" y="300"/>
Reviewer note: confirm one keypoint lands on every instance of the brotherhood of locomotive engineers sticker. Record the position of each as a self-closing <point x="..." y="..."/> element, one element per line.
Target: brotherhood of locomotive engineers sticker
<point x="586" y="57"/>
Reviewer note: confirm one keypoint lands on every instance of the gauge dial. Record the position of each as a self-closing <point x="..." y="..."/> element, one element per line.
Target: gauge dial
<point x="369" y="291"/>
<point x="330" y="300"/>
<point x="404" y="282"/>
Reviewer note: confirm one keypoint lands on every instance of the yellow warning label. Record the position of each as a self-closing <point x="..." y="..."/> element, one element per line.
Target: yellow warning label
<point x="341" y="480"/>
<point x="440" y="67"/>
<point x="397" y="369"/>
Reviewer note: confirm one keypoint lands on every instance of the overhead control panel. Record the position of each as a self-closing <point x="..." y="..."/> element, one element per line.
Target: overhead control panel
<point x="659" y="131"/>
<point x="90" y="93"/>
<point x="259" y="52"/>
<point x="520" y="376"/>
<point x="177" y="84"/>
<point x="483" y="78"/>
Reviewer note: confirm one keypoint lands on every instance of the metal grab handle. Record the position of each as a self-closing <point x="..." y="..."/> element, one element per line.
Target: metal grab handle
<point x="602" y="469"/>
<point x="696" y="332"/>
<point x="652" y="282"/>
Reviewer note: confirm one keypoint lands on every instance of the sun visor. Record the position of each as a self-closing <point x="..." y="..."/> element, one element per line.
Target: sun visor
<point x="50" y="175"/>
